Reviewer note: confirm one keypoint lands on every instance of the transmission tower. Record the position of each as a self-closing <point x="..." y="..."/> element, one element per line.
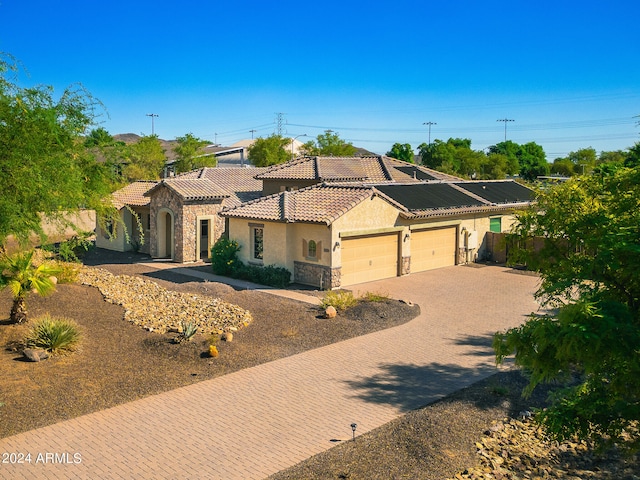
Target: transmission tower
<point x="279" y="123"/>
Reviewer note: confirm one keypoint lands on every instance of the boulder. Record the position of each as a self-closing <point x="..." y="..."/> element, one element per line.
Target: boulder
<point x="330" y="312"/>
<point x="35" y="355"/>
<point x="227" y="337"/>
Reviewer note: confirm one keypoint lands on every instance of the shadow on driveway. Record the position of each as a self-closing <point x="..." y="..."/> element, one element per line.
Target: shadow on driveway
<point x="410" y="386"/>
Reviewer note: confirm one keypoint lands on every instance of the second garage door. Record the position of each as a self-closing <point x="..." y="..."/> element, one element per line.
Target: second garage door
<point x="433" y="248"/>
<point x="365" y="259"/>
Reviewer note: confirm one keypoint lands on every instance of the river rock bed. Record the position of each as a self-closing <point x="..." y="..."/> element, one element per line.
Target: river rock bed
<point x="157" y="309"/>
<point x="515" y="449"/>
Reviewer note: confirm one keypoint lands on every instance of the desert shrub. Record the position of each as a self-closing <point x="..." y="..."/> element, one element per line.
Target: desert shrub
<point x="72" y="249"/>
<point x="56" y="335"/>
<point x="340" y="300"/>
<point x="271" y="275"/>
<point x="189" y="329"/>
<point x="374" y="297"/>
<point x="67" y="271"/>
<point x="224" y="256"/>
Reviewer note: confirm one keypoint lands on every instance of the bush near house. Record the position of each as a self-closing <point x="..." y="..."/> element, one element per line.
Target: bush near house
<point x="224" y="261"/>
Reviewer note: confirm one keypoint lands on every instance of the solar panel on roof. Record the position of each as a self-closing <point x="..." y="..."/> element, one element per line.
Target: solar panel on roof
<point x="426" y="196"/>
<point x="499" y="192"/>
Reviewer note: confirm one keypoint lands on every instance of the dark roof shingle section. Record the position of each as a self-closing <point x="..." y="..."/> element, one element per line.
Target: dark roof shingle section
<point x="428" y="196"/>
<point x="499" y="192"/>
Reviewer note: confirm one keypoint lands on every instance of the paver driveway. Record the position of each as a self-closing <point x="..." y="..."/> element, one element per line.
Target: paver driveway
<point x="255" y="422"/>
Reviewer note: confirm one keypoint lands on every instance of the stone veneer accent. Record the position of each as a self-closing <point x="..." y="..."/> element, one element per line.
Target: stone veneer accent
<point x="186" y="227"/>
<point x="321" y="276"/>
<point x="406" y="266"/>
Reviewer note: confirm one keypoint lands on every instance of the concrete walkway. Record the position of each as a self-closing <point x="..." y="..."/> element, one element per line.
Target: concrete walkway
<point x="255" y="422"/>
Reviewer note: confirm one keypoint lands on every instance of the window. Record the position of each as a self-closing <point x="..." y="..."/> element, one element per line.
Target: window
<point x="258" y="242"/>
<point x="312" y="249"/>
<point x="495" y="224"/>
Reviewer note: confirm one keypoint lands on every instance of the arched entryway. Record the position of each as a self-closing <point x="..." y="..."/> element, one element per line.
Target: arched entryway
<point x="166" y="234"/>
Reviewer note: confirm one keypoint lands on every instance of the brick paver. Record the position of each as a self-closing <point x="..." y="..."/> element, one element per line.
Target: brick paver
<point x="255" y="422"/>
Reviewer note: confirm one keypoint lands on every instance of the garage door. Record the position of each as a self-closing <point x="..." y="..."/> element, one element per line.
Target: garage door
<point x="365" y="259"/>
<point x="433" y="248"/>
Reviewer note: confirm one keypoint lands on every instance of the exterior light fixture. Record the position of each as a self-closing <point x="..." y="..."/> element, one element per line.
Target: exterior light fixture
<point x="353" y="430"/>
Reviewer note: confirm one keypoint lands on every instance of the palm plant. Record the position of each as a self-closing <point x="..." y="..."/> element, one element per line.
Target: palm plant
<point x="18" y="272"/>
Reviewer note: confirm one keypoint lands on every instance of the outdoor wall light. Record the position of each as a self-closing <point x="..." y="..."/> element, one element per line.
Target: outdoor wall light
<point x="353" y="429"/>
<point x="406" y="236"/>
<point x="336" y="246"/>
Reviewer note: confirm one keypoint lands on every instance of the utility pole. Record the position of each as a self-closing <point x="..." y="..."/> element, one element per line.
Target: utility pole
<point x="252" y="132"/>
<point x="153" y="129"/>
<point x="505" y="120"/>
<point x="429" y="125"/>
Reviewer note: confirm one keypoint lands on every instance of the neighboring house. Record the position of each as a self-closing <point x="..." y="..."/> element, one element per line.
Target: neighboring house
<point x="331" y="221"/>
<point x="129" y="233"/>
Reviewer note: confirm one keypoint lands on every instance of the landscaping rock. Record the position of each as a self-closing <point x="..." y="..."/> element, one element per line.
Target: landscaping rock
<point x="227" y="337"/>
<point x="157" y="309"/>
<point x="35" y="355"/>
<point x="330" y="312"/>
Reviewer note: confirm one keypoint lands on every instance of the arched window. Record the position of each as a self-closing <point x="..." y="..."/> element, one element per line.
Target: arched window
<point x="312" y="249"/>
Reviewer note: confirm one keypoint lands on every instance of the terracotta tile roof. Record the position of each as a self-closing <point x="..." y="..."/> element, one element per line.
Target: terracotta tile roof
<point x="315" y="204"/>
<point x="195" y="188"/>
<point x="133" y="194"/>
<point x="303" y="168"/>
<point x="353" y="170"/>
<point x="240" y="184"/>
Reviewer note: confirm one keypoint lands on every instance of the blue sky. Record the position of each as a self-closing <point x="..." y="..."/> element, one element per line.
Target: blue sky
<point x="566" y="72"/>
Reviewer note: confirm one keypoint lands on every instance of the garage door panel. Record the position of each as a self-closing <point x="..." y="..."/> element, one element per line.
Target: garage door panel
<point x="365" y="259"/>
<point x="434" y="248"/>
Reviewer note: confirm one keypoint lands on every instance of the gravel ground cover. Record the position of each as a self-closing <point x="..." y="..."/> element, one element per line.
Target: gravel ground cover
<point x="121" y="361"/>
<point x="478" y="432"/>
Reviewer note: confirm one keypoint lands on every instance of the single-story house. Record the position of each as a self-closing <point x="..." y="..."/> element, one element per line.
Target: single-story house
<point x="332" y="221"/>
<point x="336" y="235"/>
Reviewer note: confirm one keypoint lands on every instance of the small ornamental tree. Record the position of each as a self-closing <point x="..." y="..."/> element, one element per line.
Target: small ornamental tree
<point x="18" y="272"/>
<point x="588" y="263"/>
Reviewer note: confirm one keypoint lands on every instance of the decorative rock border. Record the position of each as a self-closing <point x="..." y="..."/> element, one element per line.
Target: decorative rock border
<point x="157" y="309"/>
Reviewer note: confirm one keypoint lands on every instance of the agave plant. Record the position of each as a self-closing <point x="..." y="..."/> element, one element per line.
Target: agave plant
<point x="18" y="272"/>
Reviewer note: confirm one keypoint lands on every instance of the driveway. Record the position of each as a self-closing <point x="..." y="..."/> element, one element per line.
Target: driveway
<point x="255" y="422"/>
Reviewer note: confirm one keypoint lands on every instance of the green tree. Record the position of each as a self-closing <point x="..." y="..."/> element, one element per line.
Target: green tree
<point x="45" y="169"/>
<point x="588" y="262"/>
<point x="189" y="154"/>
<point x="105" y="149"/>
<point x="146" y="159"/>
<point x="269" y="151"/>
<point x="584" y="160"/>
<point x="633" y="157"/>
<point x="328" y="144"/>
<point x="530" y="157"/>
<point x="401" y="151"/>
<point x="563" y="166"/>
<point x="18" y="272"/>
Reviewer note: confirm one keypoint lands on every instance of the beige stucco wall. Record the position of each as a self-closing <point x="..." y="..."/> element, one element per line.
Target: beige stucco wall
<point x="117" y="242"/>
<point x="372" y="216"/>
<point x="129" y="223"/>
<point x="479" y="223"/>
